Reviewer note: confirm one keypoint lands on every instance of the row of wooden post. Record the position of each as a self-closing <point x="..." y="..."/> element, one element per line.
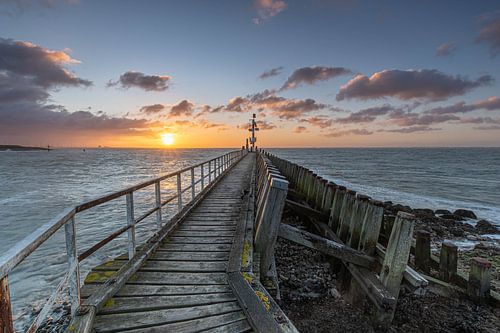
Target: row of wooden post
<point x="356" y="220"/>
<point x="272" y="189"/>
<point x="479" y="281"/>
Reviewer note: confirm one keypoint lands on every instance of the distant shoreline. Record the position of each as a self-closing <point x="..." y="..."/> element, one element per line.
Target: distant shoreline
<point x="21" y="148"/>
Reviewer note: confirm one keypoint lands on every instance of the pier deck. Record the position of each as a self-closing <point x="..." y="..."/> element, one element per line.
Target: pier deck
<point x="183" y="286"/>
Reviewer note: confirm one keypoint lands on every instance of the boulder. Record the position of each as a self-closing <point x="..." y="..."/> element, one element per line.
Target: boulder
<point x="398" y="207"/>
<point x="469" y="214"/>
<point x="442" y="211"/>
<point x="486" y="227"/>
<point x="453" y="217"/>
<point x="423" y="212"/>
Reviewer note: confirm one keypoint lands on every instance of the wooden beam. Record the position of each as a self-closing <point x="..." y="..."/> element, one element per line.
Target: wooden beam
<point x="325" y="246"/>
<point x="305" y="210"/>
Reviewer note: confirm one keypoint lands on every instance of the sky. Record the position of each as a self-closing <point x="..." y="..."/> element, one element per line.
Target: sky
<point x="318" y="73"/>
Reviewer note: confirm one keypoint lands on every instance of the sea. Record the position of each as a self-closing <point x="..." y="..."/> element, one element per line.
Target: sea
<point x="37" y="185"/>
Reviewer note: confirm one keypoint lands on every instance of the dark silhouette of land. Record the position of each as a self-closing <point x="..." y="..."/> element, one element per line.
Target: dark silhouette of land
<point x="22" y="148"/>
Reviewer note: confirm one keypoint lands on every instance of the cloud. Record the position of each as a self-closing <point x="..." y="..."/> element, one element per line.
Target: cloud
<point x="272" y="72"/>
<point x="366" y="115"/>
<point x="355" y="131"/>
<point x="411" y="119"/>
<point x="480" y="120"/>
<point x="18" y="7"/>
<point x="426" y="84"/>
<point x="140" y="80"/>
<point x="281" y="107"/>
<point x="488" y="128"/>
<point x="490" y="34"/>
<point x="412" y="129"/>
<point x="491" y="104"/>
<point x="43" y="67"/>
<point x="263" y="125"/>
<point x="267" y="9"/>
<point x="28" y="74"/>
<point x="318" y="121"/>
<point x="237" y="104"/>
<point x="446" y="49"/>
<point x="152" y="109"/>
<point x="311" y="75"/>
<point x="300" y="129"/>
<point x="183" y="108"/>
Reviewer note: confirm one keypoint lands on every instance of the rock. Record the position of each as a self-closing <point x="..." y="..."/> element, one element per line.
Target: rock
<point x="423" y="212"/>
<point x="465" y="213"/>
<point x="486" y="227"/>
<point x="453" y="217"/>
<point x="398" y="207"/>
<point x="442" y="211"/>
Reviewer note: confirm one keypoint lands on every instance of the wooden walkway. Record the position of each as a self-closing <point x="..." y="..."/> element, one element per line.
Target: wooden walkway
<point x="183" y="287"/>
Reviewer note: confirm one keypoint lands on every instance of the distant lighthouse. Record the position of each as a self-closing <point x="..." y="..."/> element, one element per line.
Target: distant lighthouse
<point x="253" y="128"/>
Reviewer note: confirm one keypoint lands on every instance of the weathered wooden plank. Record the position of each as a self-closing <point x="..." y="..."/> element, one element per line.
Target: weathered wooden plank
<point x="252" y="305"/>
<point x="178" y="278"/>
<point x="201" y="228"/>
<point x="201" y="325"/>
<point x="196" y="233"/>
<point x="169" y="266"/>
<point x="240" y="326"/>
<point x="159" y="290"/>
<point x="222" y="221"/>
<point x="123" y="321"/>
<point x="191" y="256"/>
<point x="326" y="246"/>
<point x="147" y="303"/>
<point x="6" y="323"/>
<point x="195" y="247"/>
<point x="199" y="240"/>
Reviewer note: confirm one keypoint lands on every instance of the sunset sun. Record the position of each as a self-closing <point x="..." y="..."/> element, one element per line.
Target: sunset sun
<point x="167" y="139"/>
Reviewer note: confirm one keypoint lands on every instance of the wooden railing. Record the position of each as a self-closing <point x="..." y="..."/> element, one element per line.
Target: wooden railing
<point x="209" y="171"/>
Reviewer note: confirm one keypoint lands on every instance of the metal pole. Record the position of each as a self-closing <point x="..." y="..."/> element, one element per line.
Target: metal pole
<point x="74" y="279"/>
<point x="158" y="204"/>
<point x="193" y="192"/>
<point x="202" y="176"/>
<point x="130" y="222"/>
<point x="179" y="192"/>
<point x="209" y="172"/>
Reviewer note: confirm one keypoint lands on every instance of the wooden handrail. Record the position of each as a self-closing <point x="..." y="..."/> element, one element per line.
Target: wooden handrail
<point x="29" y="244"/>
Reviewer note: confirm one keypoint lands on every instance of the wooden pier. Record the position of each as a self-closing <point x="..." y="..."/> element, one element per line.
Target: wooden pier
<point x="210" y="267"/>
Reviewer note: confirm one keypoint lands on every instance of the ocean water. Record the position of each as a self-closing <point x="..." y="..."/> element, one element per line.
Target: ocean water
<point x="36" y="186"/>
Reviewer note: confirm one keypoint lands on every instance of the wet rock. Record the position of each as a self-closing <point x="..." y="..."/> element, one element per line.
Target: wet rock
<point x="494" y="249"/>
<point x="442" y="211"/>
<point x="453" y="217"/>
<point x="424" y="212"/>
<point x="465" y="213"/>
<point x="486" y="227"/>
<point x="402" y="208"/>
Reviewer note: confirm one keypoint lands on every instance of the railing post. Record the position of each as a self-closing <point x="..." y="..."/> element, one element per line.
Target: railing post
<point x="74" y="278"/>
<point x="193" y="190"/>
<point x="158" y="204"/>
<point x="6" y="322"/>
<point x="179" y="192"/>
<point x="209" y="172"/>
<point x="131" y="224"/>
<point x="202" y="176"/>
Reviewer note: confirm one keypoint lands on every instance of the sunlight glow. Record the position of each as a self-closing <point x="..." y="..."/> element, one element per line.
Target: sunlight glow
<point x="167" y="139"/>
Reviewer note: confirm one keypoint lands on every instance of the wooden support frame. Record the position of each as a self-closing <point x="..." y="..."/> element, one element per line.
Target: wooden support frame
<point x="325" y="246"/>
<point x="6" y="323"/>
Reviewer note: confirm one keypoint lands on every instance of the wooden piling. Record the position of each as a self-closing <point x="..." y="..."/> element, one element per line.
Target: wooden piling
<point x="423" y="250"/>
<point x="346" y="214"/>
<point x="328" y="198"/>
<point x="448" y="261"/>
<point x="338" y="200"/>
<point x="371" y="227"/>
<point x="478" y="287"/>
<point x="6" y="322"/>
<point x="398" y="251"/>
<point x="268" y="227"/>
<point x="357" y="219"/>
